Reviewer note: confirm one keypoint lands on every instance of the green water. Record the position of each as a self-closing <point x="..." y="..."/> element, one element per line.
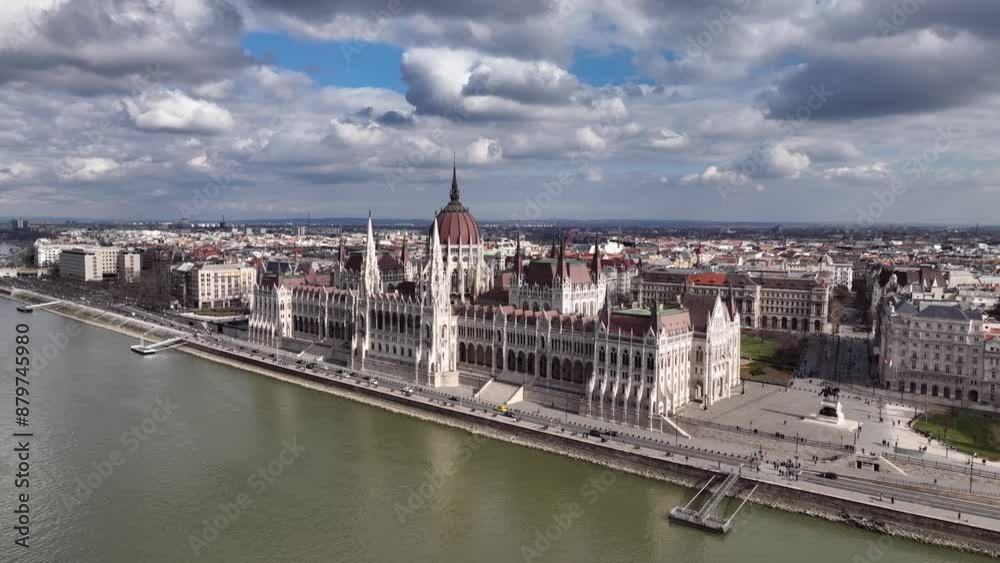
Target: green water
<point x="366" y="486"/>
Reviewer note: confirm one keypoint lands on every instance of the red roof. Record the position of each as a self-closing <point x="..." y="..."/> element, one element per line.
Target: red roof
<point x="707" y="278"/>
<point x="457" y="227"/>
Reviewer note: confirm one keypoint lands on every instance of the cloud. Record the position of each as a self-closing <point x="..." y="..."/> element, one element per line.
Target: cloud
<point x="355" y="134"/>
<point x="713" y="176"/>
<point x="875" y="170"/>
<point x="667" y="139"/>
<point x="16" y="172"/>
<point x="74" y="168"/>
<point x="281" y="84"/>
<point x="176" y="112"/>
<point x="484" y="151"/>
<point x="780" y="162"/>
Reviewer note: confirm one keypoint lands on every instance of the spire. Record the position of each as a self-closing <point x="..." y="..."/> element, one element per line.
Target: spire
<point x="372" y="277"/>
<point x="402" y="256"/>
<point x="554" y="252"/>
<point x="342" y="252"/>
<point x="560" y="264"/>
<point x="518" y="267"/>
<point x="436" y="275"/>
<point x="654" y="316"/>
<point x="595" y="264"/>
<point x="454" y="180"/>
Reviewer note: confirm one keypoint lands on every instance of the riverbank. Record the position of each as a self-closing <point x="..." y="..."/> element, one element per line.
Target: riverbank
<point x="614" y="455"/>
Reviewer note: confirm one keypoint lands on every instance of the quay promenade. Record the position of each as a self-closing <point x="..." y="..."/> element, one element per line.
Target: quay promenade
<point x="671" y="452"/>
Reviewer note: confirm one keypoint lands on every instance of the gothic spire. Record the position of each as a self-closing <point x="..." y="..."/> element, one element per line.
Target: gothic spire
<point x="595" y="264"/>
<point x="454" y="180"/>
<point x="518" y="267"/>
<point x="372" y="277"/>
<point x="560" y="264"/>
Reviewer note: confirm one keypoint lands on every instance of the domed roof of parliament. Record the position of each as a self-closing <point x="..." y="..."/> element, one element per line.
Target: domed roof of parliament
<point x="455" y="224"/>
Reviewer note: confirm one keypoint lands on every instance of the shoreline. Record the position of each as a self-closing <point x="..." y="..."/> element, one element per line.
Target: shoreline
<point x="922" y="529"/>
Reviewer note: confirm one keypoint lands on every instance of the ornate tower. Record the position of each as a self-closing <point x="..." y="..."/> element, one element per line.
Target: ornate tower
<point x="438" y="349"/>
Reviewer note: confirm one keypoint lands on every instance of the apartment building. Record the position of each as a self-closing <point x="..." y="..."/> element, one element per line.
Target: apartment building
<point x="938" y="350"/>
<point x="223" y="285"/>
<point x="766" y="300"/>
<point x="89" y="263"/>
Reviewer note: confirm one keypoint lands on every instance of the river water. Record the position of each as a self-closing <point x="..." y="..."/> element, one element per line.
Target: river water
<point x="133" y="456"/>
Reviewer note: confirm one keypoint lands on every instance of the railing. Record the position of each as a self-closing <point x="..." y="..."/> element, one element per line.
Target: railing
<point x="933" y="487"/>
<point x="953" y="467"/>
<point x="768" y="435"/>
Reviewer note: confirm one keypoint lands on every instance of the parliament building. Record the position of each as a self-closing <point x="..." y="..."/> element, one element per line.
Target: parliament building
<point x="554" y="339"/>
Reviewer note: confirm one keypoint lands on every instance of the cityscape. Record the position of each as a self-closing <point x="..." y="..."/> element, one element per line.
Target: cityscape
<point x="570" y="281"/>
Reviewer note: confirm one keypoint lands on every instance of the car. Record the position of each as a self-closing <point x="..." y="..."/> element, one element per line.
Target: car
<point x="829" y="475"/>
<point x="368" y="378"/>
<point x="271" y="356"/>
<point x="596" y="433"/>
<point x="502" y="408"/>
<point x="407" y="390"/>
<point x="374" y="383"/>
<point x="311" y="365"/>
<point x="453" y="398"/>
<point x="300" y="362"/>
<point x="510" y="414"/>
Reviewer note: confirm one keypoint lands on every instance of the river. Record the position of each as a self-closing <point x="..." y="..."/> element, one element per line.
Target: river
<point x="177" y="436"/>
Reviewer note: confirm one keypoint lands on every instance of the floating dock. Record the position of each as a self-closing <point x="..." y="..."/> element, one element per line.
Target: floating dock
<point x="25" y="308"/>
<point x="703" y="518"/>
<point x="150" y="349"/>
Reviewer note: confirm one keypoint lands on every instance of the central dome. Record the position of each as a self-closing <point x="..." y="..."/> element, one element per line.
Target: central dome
<point x="456" y="225"/>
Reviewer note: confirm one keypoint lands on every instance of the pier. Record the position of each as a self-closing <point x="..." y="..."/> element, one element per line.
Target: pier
<point x="150" y="349"/>
<point x="25" y="308"/>
<point x="704" y="518"/>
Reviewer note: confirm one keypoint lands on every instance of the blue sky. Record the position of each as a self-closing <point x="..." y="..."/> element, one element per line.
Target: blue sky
<point x="261" y="114"/>
<point x="376" y="65"/>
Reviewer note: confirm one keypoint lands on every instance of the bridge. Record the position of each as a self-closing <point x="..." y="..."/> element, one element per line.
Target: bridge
<point x="25" y="308"/>
<point x="704" y="518"/>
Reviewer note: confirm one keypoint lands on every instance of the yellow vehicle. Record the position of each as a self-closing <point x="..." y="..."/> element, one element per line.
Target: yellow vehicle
<point x="502" y="408"/>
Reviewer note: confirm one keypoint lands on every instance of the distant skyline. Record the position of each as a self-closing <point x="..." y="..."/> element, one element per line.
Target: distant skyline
<point x="834" y="111"/>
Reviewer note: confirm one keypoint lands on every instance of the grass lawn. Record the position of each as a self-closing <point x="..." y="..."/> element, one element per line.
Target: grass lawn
<point x="966" y="433"/>
<point x="756" y="371"/>
<point x="765" y="349"/>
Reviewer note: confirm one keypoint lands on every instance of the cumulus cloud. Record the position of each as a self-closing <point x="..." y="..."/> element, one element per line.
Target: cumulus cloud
<point x="176" y="112"/>
<point x="713" y="176"/>
<point x="75" y="168"/>
<point x="484" y="151"/>
<point x="875" y="170"/>
<point x="667" y="139"/>
<point x="281" y="84"/>
<point x="357" y="134"/>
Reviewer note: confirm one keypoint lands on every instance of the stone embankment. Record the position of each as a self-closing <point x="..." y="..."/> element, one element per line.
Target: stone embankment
<point x="670" y="469"/>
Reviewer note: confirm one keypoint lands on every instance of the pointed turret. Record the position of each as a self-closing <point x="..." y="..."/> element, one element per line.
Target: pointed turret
<point x="454" y="180"/>
<point x="372" y="277"/>
<point x="518" y="263"/>
<point x="437" y="282"/>
<point x="554" y="252"/>
<point x="560" y="263"/>
<point x="402" y="254"/>
<point x="595" y="263"/>
<point x="342" y="252"/>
